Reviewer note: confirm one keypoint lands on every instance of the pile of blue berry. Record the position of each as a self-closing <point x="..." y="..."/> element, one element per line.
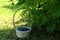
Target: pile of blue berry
<point x="23" y="29"/>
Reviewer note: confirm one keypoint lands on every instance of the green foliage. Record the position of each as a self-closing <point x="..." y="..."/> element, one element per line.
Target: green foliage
<point x="44" y="13"/>
<point x="20" y="2"/>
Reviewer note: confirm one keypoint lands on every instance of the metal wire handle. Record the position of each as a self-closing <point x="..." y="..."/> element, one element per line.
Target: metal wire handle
<point x="14" y="16"/>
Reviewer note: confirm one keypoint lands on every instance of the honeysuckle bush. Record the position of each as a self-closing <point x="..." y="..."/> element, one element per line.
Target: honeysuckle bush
<point x="45" y="13"/>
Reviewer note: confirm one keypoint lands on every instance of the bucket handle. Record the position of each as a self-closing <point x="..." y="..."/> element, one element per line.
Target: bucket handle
<point x="15" y="14"/>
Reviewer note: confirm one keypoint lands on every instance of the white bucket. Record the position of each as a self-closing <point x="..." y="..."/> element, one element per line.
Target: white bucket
<point x="23" y="34"/>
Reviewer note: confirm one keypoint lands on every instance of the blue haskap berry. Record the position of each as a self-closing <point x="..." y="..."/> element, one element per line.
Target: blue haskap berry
<point x="23" y="29"/>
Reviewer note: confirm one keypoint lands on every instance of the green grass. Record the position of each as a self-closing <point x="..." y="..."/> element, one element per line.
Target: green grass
<point x="6" y="20"/>
<point x="6" y="26"/>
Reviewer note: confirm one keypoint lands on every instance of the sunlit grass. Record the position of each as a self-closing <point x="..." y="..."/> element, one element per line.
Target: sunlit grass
<point x="2" y="3"/>
<point x="6" y="20"/>
<point x="5" y="16"/>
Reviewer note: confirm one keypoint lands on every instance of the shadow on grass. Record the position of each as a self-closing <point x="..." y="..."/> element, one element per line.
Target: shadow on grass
<point x="34" y="35"/>
<point x="11" y="35"/>
<point x="7" y="35"/>
<point x="41" y="35"/>
<point x="11" y="7"/>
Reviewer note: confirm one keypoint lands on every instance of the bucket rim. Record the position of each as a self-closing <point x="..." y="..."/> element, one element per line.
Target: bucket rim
<point x="24" y="31"/>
